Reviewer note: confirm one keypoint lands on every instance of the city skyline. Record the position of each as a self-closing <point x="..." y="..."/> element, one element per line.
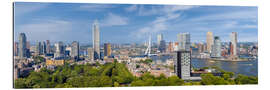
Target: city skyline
<point x="126" y="23"/>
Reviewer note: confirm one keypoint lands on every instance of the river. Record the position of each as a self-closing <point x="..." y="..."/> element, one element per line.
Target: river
<point x="249" y="68"/>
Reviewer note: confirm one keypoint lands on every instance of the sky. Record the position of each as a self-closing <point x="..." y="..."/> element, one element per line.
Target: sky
<point x="132" y="23"/>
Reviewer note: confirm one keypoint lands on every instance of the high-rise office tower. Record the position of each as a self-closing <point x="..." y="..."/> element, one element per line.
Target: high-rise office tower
<point x="170" y="47"/>
<point x="96" y="40"/>
<point x="38" y="48"/>
<point x="28" y="45"/>
<point x="90" y="53"/>
<point x="159" y="38"/>
<point x="234" y="43"/>
<point x="22" y="45"/>
<point x="200" y="47"/>
<point x="209" y="41"/>
<point x="216" y="49"/>
<point x="175" y="46"/>
<point x="75" y="50"/>
<point x="15" y="48"/>
<point x="48" y="46"/>
<point x="230" y="51"/>
<point x="162" y="46"/>
<point x="59" y="50"/>
<point x="43" y="47"/>
<point x="182" y="66"/>
<point x="184" y="41"/>
<point x="107" y="49"/>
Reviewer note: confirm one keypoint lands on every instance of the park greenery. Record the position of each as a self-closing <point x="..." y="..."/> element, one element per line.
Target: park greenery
<point x="146" y="61"/>
<point x="116" y="75"/>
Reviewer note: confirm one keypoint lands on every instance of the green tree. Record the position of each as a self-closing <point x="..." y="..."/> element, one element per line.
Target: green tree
<point x="243" y="79"/>
<point x="210" y="79"/>
<point x="20" y="83"/>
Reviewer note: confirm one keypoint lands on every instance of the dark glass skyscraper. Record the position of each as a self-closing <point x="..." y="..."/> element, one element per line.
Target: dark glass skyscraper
<point x="162" y="46"/>
<point x="43" y="47"/>
<point x="216" y="49"/>
<point x="182" y="64"/>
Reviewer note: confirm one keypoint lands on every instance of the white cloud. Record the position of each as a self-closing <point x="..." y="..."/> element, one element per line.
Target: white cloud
<point x="167" y="14"/>
<point x="24" y="8"/>
<point x="159" y="24"/>
<point x="163" y="10"/>
<point x="143" y="11"/>
<point x="175" y="8"/>
<point x="249" y="26"/>
<point x="95" y="7"/>
<point x="236" y="15"/>
<point x="131" y="8"/>
<point x="44" y="29"/>
<point x="114" y="20"/>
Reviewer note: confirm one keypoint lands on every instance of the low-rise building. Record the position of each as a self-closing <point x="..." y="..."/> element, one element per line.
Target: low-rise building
<point x="55" y="62"/>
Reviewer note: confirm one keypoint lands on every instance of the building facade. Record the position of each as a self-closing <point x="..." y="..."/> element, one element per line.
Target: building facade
<point x="22" y="45"/>
<point x="107" y="49"/>
<point x="48" y="46"/>
<point x="159" y="38"/>
<point x="216" y="49"/>
<point x="170" y="47"/>
<point x="75" y="50"/>
<point x="43" y="48"/>
<point x="234" y="43"/>
<point x="38" y="48"/>
<point x="182" y="66"/>
<point x="209" y="41"/>
<point x="55" y="62"/>
<point x="15" y="48"/>
<point x="59" y="50"/>
<point x="90" y="53"/>
<point x="184" y="41"/>
<point x="162" y="46"/>
<point x="96" y="40"/>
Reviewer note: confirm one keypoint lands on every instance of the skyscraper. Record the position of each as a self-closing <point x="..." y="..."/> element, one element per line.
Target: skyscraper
<point x="162" y="46"/>
<point x="22" y="45"/>
<point x="90" y="53"/>
<point x="28" y="45"/>
<point x="182" y="66"/>
<point x="209" y="41"/>
<point x="184" y="41"/>
<point x="75" y="50"/>
<point x="234" y="43"/>
<point x="43" y="48"/>
<point x="48" y="46"/>
<point x="216" y="49"/>
<point x="96" y="41"/>
<point x="175" y="46"/>
<point x="200" y="47"/>
<point x="159" y="38"/>
<point x="15" y="48"/>
<point x="59" y="50"/>
<point x="38" y="48"/>
<point x="170" y="47"/>
<point x="107" y="49"/>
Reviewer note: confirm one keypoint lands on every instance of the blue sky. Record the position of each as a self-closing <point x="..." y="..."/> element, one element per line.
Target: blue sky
<point x="129" y="23"/>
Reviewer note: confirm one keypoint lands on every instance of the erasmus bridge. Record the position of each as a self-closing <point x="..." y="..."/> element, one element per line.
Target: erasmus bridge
<point x="148" y="49"/>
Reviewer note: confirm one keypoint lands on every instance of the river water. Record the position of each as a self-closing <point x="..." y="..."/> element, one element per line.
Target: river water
<point x="249" y="68"/>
